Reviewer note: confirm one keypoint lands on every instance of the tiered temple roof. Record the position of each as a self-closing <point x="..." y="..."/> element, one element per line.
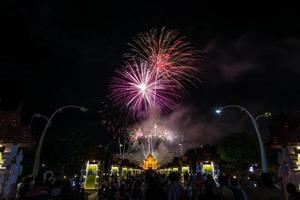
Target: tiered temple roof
<point x="150" y="163"/>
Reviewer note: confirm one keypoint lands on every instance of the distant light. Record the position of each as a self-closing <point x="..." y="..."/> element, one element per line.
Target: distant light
<point x="37" y="115"/>
<point x="43" y="165"/>
<point x="234" y="177"/>
<point x="218" y="111"/>
<point x="84" y="109"/>
<point x="65" y="177"/>
<point x="251" y="169"/>
<point x="75" y="176"/>
<point x="298" y="147"/>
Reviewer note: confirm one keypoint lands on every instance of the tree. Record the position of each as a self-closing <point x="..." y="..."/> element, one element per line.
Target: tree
<point x="238" y="151"/>
<point x="66" y="155"/>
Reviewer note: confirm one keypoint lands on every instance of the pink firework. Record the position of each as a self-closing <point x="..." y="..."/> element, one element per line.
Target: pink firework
<point x="138" y="88"/>
<point x="168" y="53"/>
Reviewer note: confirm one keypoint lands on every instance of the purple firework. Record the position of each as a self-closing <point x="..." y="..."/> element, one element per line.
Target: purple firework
<point x="139" y="88"/>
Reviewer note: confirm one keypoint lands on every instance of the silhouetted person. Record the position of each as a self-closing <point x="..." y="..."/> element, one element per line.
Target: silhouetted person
<point x="199" y="188"/>
<point x="268" y="190"/>
<point x="223" y="192"/>
<point x="237" y="190"/>
<point x="174" y="189"/>
<point x="293" y="193"/>
<point x="210" y="187"/>
<point x="23" y="187"/>
<point x="154" y="189"/>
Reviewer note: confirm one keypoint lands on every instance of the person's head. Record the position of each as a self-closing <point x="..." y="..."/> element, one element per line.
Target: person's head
<point x="209" y="178"/>
<point x="28" y="181"/>
<point x="117" y="195"/>
<point x="199" y="181"/>
<point x="186" y="175"/>
<point x="234" y="181"/>
<point x="266" y="179"/>
<point x="291" y="188"/>
<point x="49" y="176"/>
<point x="173" y="177"/>
<point x="223" y="180"/>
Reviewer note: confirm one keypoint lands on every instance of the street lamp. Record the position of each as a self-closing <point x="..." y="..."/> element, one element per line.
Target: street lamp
<point x="253" y="120"/>
<point x="266" y="115"/>
<point x="37" y="157"/>
<point x="120" y="148"/>
<point x="218" y="111"/>
<point x="180" y="144"/>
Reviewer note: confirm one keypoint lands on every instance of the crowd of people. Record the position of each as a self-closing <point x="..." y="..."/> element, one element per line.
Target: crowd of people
<point x="49" y="187"/>
<point x="153" y="186"/>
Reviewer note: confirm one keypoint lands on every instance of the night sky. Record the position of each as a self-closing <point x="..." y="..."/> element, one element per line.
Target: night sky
<point x="56" y="53"/>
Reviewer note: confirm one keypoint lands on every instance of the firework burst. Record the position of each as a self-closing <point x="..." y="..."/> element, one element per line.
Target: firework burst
<point x="168" y="53"/>
<point x="156" y="134"/>
<point x="149" y="138"/>
<point x="138" y="88"/>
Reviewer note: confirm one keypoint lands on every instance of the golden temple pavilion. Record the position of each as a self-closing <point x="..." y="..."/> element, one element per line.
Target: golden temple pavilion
<point x="150" y="162"/>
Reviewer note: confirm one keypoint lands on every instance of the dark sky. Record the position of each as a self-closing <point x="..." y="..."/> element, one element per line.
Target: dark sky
<point x="56" y="53"/>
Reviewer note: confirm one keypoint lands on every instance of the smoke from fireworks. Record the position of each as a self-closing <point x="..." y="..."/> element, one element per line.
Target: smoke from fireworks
<point x="139" y="89"/>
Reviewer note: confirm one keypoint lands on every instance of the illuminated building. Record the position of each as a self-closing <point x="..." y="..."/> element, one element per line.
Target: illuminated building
<point x="13" y="135"/>
<point x="91" y="178"/>
<point x="285" y="137"/>
<point x="12" y="130"/>
<point x="150" y="163"/>
<point x="114" y="170"/>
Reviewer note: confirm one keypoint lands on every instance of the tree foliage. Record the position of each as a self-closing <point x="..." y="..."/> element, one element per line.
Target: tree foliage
<point x="65" y="155"/>
<point x="238" y="150"/>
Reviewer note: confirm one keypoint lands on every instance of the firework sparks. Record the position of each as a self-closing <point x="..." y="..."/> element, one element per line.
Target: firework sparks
<point x="168" y="53"/>
<point x="150" y="138"/>
<point x="138" y="88"/>
<point x="156" y="133"/>
<point x="114" y="120"/>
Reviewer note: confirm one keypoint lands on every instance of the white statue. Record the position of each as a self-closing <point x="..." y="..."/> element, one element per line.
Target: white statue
<point x="12" y="171"/>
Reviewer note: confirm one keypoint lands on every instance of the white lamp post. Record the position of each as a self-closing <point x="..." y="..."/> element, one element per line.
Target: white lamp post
<point x="259" y="138"/>
<point x="37" y="157"/>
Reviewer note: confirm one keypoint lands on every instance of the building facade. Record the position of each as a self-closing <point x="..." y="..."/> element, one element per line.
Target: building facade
<point x="12" y="130"/>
